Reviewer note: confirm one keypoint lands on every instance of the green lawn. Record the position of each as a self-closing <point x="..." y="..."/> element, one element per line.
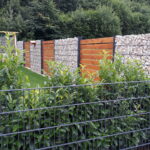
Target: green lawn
<point x="36" y="80"/>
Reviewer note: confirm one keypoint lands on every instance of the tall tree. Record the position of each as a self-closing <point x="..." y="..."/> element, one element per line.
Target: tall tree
<point x="3" y="3"/>
<point x="11" y="16"/>
<point x="44" y="19"/>
<point x="67" y="5"/>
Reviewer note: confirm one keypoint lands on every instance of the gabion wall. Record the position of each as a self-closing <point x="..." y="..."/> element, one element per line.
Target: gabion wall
<point x="21" y="48"/>
<point x="135" y="47"/>
<point x="66" y="52"/>
<point x="35" y="56"/>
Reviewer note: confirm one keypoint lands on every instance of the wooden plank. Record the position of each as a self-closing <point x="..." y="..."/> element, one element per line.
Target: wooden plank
<point x="96" y="51"/>
<point x="48" y="50"/>
<point x="48" y="47"/>
<point x="94" y="57"/>
<point x="88" y="72"/>
<point x="96" y="46"/>
<point x="47" y="58"/>
<point x="93" y="67"/>
<point x="89" y="62"/>
<point x="48" y="53"/>
<point x="48" y="42"/>
<point x="98" y="40"/>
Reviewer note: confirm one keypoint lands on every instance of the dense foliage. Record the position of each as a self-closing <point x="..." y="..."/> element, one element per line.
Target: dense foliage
<point x="10" y="77"/>
<point x="51" y="19"/>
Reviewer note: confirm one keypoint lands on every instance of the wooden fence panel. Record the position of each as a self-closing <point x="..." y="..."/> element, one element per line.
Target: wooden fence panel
<point x="91" y="51"/>
<point x="47" y="54"/>
<point x="27" y="54"/>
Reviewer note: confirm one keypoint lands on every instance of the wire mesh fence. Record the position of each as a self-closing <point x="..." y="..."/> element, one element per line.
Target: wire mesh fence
<point x="104" y="116"/>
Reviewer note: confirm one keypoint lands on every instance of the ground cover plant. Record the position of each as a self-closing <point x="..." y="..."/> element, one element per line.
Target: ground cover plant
<point x="94" y="102"/>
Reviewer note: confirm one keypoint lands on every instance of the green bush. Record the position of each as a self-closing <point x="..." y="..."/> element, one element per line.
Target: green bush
<point x="92" y="23"/>
<point x="123" y="72"/>
<point x="10" y="76"/>
<point x="9" y="63"/>
<point x="117" y="70"/>
<point x="62" y="75"/>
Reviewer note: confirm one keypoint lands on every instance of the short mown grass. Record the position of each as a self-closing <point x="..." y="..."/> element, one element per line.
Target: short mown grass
<point x="35" y="80"/>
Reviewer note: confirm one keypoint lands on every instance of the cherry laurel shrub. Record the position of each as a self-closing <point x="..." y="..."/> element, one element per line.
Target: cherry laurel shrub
<point x="122" y="74"/>
<point x="9" y="64"/>
<point x="10" y="77"/>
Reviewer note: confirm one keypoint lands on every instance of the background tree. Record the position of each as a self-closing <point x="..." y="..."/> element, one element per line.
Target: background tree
<point x="67" y="5"/>
<point x="44" y="19"/>
<point x="51" y="19"/>
<point x="92" y="23"/>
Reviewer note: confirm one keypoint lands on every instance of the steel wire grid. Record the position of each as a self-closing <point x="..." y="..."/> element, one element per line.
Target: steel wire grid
<point x="109" y="116"/>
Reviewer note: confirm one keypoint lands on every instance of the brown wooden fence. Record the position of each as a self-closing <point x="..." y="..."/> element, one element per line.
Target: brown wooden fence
<point x="27" y="54"/>
<point x="91" y="52"/>
<point x="47" y="54"/>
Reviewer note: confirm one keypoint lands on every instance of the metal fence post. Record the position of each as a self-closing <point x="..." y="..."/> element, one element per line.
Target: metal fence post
<point x="114" y="47"/>
<point x="24" y="54"/>
<point x="41" y="56"/>
<point x="79" y="39"/>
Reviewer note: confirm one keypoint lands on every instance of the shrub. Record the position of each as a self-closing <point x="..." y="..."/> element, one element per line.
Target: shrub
<point x="124" y="72"/>
<point x="9" y="63"/>
<point x="117" y="71"/>
<point x="10" y="77"/>
<point x="92" y="23"/>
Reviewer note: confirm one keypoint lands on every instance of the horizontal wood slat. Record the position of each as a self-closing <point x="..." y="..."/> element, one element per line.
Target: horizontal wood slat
<point x="93" y="67"/>
<point x="89" y="62"/>
<point x="47" y="53"/>
<point x="98" y="40"/>
<point x="48" y="46"/>
<point x="89" y="71"/>
<point x="48" y="59"/>
<point x="97" y="46"/>
<point x="96" y="57"/>
<point x="97" y="52"/>
<point x="48" y="42"/>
